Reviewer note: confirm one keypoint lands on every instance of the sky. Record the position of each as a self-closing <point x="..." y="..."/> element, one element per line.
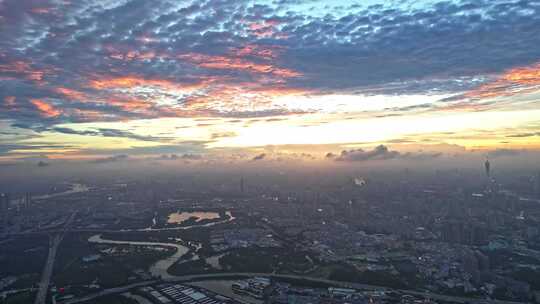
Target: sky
<point x="257" y="80"/>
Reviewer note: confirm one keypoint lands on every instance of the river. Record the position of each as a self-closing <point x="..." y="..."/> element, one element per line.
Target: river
<point x="158" y="269"/>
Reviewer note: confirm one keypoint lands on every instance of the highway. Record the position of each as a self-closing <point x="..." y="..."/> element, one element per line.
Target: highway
<point x="47" y="271"/>
<point x="102" y="230"/>
<point x="202" y="277"/>
<point x="54" y="242"/>
<point x="109" y="292"/>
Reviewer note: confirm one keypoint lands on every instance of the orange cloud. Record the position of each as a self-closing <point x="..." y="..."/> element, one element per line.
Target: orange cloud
<point x="119" y="95"/>
<point x="130" y="104"/>
<point x="131" y="81"/>
<point x="125" y="102"/>
<point x="46" y="109"/>
<point x="527" y="75"/>
<point x="513" y="81"/>
<point x="71" y="94"/>
<point x="228" y="63"/>
<point x="240" y="97"/>
<point x="127" y="82"/>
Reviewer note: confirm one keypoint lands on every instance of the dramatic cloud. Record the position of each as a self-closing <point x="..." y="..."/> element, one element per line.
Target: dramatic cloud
<point x="168" y="157"/>
<point x="530" y="134"/>
<point x="259" y="157"/>
<point x="109" y="133"/>
<point x="112" y="159"/>
<point x="42" y="164"/>
<point x="311" y="64"/>
<point x="46" y="109"/>
<point x="33" y="148"/>
<point x="380" y="152"/>
<point x="192" y="156"/>
<point x="330" y="155"/>
<point x="512" y="82"/>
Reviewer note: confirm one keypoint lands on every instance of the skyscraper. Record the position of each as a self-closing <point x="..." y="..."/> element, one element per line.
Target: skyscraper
<point x="27" y="200"/>
<point x="487" y="165"/>
<point x="4" y="206"/>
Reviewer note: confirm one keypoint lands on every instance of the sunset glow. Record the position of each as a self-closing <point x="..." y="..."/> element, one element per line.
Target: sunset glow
<point x="249" y="79"/>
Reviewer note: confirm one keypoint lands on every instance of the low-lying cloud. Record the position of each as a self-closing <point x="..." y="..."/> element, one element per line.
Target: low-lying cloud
<point x="380" y="152"/>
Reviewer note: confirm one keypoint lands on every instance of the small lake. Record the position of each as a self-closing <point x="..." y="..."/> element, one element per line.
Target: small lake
<point x="180" y="217"/>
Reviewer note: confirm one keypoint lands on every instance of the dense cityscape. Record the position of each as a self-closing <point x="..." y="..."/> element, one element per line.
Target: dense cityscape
<point x="406" y="236"/>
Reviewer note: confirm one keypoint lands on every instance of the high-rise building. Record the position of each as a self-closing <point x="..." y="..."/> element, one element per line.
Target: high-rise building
<point x="452" y="231"/>
<point x="538" y="184"/>
<point x="4" y="206"/>
<point x="27" y="201"/>
<point x="487" y="165"/>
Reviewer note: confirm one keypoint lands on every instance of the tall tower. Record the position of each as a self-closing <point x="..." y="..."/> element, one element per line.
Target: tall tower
<point x="487" y="165"/>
